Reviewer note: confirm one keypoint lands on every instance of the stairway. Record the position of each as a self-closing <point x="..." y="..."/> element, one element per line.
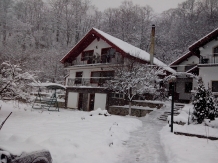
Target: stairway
<point x="177" y="108"/>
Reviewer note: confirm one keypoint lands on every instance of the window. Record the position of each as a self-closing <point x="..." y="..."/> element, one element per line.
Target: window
<point x="118" y="95"/>
<point x="188" y="87"/>
<point x="87" y="56"/>
<point x="107" y="54"/>
<point x="78" y="79"/>
<point x="189" y="67"/>
<point x="101" y="76"/>
<point x="214" y="86"/>
<point x="215" y="51"/>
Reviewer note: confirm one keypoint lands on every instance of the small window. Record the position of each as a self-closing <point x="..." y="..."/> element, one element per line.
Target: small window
<point x="118" y="95"/>
<point x="107" y="54"/>
<point x="78" y="79"/>
<point x="95" y="76"/>
<point x="101" y="76"/>
<point x="214" y="86"/>
<point x="215" y="51"/>
<point x="188" y="87"/>
<point x="189" y="67"/>
<point x="87" y="55"/>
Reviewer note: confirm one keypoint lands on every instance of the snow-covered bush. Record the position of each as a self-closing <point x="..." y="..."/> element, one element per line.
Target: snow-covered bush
<point x="200" y="103"/>
<point x="211" y="105"/>
<point x="14" y="82"/>
<point x="134" y="78"/>
<point x="205" y="105"/>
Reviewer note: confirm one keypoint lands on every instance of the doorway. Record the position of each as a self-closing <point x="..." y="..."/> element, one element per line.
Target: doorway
<point x="91" y="101"/>
<point x="80" y="101"/>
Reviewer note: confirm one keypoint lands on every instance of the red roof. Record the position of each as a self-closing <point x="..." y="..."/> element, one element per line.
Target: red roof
<point x="209" y="37"/>
<point x="181" y="59"/>
<point x="84" y="42"/>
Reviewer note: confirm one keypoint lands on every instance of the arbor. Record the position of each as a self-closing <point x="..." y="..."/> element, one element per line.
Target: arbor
<point x="134" y="78"/>
<point x="13" y="81"/>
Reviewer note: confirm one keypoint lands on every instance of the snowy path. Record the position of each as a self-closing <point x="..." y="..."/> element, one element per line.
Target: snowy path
<point x="144" y="144"/>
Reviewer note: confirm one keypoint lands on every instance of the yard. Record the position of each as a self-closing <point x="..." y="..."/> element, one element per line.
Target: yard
<point x="75" y="136"/>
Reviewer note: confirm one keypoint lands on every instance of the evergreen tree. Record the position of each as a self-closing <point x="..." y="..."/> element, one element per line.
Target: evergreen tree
<point x="200" y="103"/>
<point x="211" y="105"/>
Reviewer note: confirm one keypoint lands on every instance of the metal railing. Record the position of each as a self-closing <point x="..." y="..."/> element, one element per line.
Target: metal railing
<point x="209" y="59"/>
<point x="97" y="60"/>
<point x="94" y="81"/>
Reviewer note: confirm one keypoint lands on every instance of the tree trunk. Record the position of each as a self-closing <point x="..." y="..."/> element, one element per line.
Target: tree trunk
<point x="130" y="109"/>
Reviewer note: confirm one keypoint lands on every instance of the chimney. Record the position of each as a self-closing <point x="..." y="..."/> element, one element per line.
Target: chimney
<point x="152" y="44"/>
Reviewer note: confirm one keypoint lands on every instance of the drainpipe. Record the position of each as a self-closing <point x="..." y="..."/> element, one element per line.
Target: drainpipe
<point x="152" y="44"/>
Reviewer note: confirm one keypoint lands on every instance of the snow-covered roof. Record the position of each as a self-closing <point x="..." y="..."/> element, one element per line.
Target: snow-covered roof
<point x="133" y="51"/>
<point x="181" y="59"/>
<point x="114" y="42"/>
<point x="204" y="40"/>
<point x="48" y="85"/>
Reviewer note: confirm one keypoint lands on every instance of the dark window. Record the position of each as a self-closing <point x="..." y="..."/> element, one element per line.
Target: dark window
<point x="101" y="76"/>
<point x="87" y="56"/>
<point x="107" y="54"/>
<point x="95" y="76"/>
<point x="188" y="87"/>
<point x="214" y="86"/>
<point x="189" y="67"/>
<point x="78" y="79"/>
<point x="215" y="51"/>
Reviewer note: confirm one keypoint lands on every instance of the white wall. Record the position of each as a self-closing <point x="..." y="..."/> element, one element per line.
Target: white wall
<point x="72" y="101"/>
<point x="208" y="48"/>
<point x="100" y="101"/>
<point x="208" y="74"/>
<point x="191" y="60"/>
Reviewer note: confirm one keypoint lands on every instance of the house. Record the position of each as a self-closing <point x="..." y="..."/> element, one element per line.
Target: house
<point x="90" y="63"/>
<point x="201" y="60"/>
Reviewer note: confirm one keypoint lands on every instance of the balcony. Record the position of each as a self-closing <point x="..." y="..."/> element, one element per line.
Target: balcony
<point x="209" y="59"/>
<point x="96" y="60"/>
<point x="93" y="81"/>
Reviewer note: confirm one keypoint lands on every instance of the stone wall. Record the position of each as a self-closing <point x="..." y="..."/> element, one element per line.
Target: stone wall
<point x="123" y="111"/>
<point x="147" y="104"/>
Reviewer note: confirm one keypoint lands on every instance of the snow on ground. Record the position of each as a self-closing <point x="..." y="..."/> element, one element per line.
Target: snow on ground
<point x="184" y="149"/>
<point x="70" y="136"/>
<point x="144" y="145"/>
<point x="75" y="136"/>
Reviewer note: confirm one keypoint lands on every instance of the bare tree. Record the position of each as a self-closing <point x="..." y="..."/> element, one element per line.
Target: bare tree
<point x="134" y="78"/>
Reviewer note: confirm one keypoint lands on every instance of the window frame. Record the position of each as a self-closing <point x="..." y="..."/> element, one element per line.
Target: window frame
<point x="103" y="57"/>
<point x="78" y="79"/>
<point x="84" y="58"/>
<point x="188" y="89"/>
<point x="101" y="76"/>
<point x="215" y="49"/>
<point x="212" y="88"/>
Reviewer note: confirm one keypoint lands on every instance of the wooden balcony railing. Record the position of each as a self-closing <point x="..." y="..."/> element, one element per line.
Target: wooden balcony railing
<point x="209" y="59"/>
<point x="94" y="81"/>
<point x="97" y="60"/>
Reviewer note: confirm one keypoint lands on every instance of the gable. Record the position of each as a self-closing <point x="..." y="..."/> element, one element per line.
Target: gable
<point x="203" y="41"/>
<point x="122" y="47"/>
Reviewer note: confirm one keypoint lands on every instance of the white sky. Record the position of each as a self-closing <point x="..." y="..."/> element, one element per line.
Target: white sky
<point x="158" y="5"/>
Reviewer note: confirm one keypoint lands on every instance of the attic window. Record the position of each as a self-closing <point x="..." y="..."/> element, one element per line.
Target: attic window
<point x="215" y="51"/>
<point x="107" y="54"/>
<point x="87" y="55"/>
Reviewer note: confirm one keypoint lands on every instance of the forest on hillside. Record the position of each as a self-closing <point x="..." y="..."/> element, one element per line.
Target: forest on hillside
<point x="37" y="33"/>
